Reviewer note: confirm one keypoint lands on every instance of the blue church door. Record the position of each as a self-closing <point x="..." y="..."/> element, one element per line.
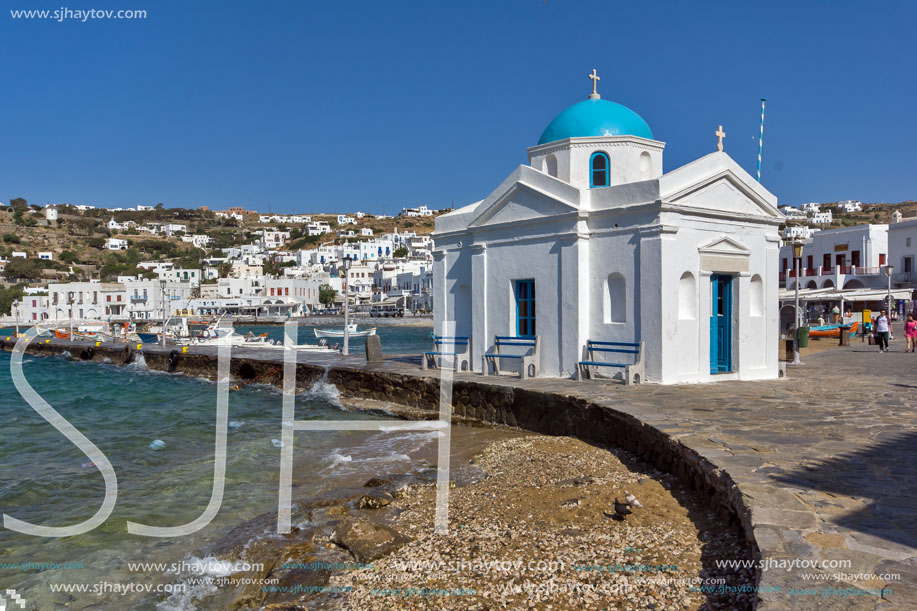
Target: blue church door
<point x="720" y="323"/>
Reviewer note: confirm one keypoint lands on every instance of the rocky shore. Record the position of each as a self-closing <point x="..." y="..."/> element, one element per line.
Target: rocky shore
<point x="531" y="525"/>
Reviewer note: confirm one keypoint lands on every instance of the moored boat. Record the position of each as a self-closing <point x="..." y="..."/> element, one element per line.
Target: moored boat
<point x="352" y="332"/>
<point x="831" y="330"/>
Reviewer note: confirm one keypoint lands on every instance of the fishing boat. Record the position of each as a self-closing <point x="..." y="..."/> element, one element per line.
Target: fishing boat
<point x="322" y="347"/>
<point x="351" y="331"/>
<point x="831" y="330"/>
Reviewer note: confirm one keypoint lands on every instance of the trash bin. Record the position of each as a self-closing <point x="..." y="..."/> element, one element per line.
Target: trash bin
<point x="802" y="336"/>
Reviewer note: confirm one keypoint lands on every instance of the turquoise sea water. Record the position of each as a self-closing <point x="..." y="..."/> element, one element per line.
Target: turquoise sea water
<point x="45" y="479"/>
<point x="396" y="339"/>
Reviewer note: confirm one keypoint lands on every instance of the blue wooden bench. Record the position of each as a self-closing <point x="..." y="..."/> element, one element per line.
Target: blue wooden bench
<point x="521" y="351"/>
<point x="444" y="345"/>
<point x="593" y="350"/>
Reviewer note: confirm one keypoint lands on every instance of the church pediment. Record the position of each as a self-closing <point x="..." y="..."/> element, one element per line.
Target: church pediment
<point x="521" y="202"/>
<point x="725" y="246"/>
<point x="724" y="193"/>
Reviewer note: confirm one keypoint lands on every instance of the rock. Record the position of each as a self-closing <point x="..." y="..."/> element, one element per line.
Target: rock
<point x="368" y="541"/>
<point x="377" y="482"/>
<point x="576" y="481"/>
<point x="571" y="503"/>
<point x="373" y="349"/>
<point x="375" y="499"/>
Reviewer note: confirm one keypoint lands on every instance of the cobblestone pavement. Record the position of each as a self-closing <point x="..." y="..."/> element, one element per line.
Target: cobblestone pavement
<point x="826" y="459"/>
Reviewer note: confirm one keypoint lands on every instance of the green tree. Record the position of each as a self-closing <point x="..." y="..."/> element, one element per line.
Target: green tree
<point x="400" y="253"/>
<point x="8" y="296"/>
<point x="68" y="256"/>
<point x="326" y="294"/>
<point x="223" y="269"/>
<point x="28" y="269"/>
<point x="11" y="238"/>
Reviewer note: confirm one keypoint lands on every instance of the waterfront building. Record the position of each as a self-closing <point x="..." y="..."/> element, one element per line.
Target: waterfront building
<point x="902" y="252"/>
<point x="611" y="248"/>
<point x="845" y="258"/>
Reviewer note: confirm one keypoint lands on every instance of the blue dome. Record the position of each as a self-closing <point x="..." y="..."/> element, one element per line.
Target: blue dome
<point x="596" y="117"/>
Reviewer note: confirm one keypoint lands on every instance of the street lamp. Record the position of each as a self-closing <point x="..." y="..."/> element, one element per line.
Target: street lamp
<point x="162" y="296"/>
<point x="348" y="261"/>
<point x="70" y="301"/>
<point x="797" y="264"/>
<point x="889" y="270"/>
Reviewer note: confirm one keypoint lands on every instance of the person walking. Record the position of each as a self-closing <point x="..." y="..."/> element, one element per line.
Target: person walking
<point x="883" y="327"/>
<point x="910" y="333"/>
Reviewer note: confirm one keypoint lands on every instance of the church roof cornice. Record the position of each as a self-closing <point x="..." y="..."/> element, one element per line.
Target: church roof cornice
<point x="594" y="141"/>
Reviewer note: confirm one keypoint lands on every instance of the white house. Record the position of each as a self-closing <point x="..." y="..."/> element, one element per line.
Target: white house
<point x="271" y="238"/>
<point x="612" y="249"/>
<point x="343" y="219"/>
<point x="419" y="211"/>
<point x="198" y="240"/>
<point x="317" y="228"/>
<point x="172" y="228"/>
<point x="116" y="244"/>
<point x="46" y="255"/>
<point x="850" y="205"/>
<point x="19" y="254"/>
<point x="114" y="225"/>
<point x="821" y="218"/>
<point x="792" y="212"/>
<point x="50" y="213"/>
<point x="810" y="208"/>
<point x="798" y="232"/>
<point x="141" y="208"/>
<point x="366" y="232"/>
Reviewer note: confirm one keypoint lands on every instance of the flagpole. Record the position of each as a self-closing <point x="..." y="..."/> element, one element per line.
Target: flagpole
<point x="761" y="139"/>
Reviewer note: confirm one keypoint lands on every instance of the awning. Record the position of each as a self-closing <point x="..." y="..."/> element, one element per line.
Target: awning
<point x="856" y="295"/>
<point x="392" y="301"/>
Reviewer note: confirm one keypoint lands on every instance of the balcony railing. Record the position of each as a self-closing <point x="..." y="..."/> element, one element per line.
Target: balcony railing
<point x="138" y="299"/>
<point x="863" y="271"/>
<point x="811" y="272"/>
<point x="845" y="269"/>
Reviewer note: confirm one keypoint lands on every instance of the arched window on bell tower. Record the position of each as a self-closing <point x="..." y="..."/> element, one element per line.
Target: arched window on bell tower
<point x="599" y="170"/>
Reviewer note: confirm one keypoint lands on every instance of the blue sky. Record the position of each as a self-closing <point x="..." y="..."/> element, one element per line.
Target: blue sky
<point x="310" y="107"/>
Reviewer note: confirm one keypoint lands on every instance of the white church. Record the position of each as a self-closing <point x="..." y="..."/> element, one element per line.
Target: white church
<point x="592" y="241"/>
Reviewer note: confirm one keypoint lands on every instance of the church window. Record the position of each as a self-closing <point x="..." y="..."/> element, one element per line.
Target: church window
<point x="525" y="308"/>
<point x="599" y="169"/>
<point x="615" y="299"/>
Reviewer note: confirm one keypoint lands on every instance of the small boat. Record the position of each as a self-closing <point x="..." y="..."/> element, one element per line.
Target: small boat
<point x="351" y="331"/>
<point x="832" y="330"/>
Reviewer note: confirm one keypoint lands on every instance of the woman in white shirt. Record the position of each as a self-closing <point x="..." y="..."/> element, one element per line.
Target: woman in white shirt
<point x="883" y="328"/>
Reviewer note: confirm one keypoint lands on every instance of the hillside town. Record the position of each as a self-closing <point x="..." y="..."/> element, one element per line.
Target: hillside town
<point x="118" y="265"/>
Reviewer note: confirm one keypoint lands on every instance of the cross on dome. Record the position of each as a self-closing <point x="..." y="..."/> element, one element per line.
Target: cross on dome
<point x="595" y="81"/>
